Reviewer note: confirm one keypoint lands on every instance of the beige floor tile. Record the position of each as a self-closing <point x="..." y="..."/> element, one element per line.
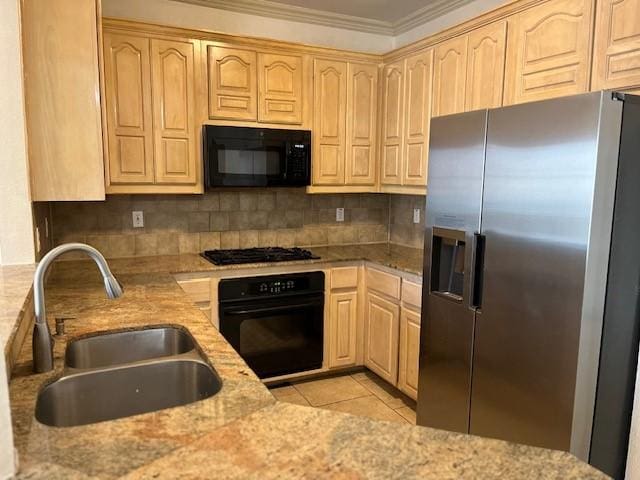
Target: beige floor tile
<point x="289" y="394"/>
<point x="370" y="406"/>
<point x="330" y="390"/>
<point x="386" y="392"/>
<point x="409" y="414"/>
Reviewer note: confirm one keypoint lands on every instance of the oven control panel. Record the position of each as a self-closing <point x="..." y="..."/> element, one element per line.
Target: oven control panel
<point x="278" y="286"/>
<point x="269" y="286"/>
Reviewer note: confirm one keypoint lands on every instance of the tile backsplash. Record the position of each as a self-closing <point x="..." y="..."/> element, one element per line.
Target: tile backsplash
<point x="401" y="227"/>
<point x="231" y="219"/>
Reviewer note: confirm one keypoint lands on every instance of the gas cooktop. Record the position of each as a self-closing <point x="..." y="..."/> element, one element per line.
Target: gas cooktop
<point x="257" y="255"/>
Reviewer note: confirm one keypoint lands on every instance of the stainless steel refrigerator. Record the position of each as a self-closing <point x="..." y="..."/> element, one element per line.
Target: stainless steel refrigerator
<point x="531" y="275"/>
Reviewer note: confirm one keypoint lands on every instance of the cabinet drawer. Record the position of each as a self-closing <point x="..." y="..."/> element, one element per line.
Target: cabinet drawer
<point x="344" y="277"/>
<point x="198" y="289"/>
<point x="412" y="293"/>
<point x="383" y="282"/>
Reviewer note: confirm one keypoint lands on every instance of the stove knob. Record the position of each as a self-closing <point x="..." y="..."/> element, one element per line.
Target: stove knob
<point x="263" y="287"/>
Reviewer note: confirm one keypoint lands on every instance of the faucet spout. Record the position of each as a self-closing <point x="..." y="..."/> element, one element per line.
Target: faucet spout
<point x="42" y="339"/>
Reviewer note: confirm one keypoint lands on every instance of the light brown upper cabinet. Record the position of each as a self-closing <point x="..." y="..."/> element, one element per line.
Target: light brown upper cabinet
<point x="344" y="127"/>
<point x="616" y="56"/>
<point x="150" y="101"/>
<point x="405" y="125"/>
<point x="392" y="123"/>
<point x="548" y="51"/>
<point x="469" y="71"/>
<point x="280" y="88"/>
<point x="60" y="53"/>
<point x="127" y="69"/>
<point x="450" y="76"/>
<point x="330" y="101"/>
<point x="485" y="66"/>
<point x="233" y="78"/>
<point x="172" y="87"/>
<point x="362" y="105"/>
<point x="416" y="130"/>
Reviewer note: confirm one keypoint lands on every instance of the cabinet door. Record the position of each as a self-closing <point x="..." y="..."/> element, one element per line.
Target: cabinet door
<point x="616" y="56"/>
<point x="362" y="100"/>
<point x="381" y="337"/>
<point x="485" y="66"/>
<point x="392" y="123"/>
<point x="280" y="88"/>
<point x="173" y="82"/>
<point x="127" y="71"/>
<point x="548" y="51"/>
<point x="418" y="110"/>
<point x="330" y="101"/>
<point x="342" y="329"/>
<point x="62" y="101"/>
<point x="450" y="76"/>
<point x="409" y="352"/>
<point x="233" y="81"/>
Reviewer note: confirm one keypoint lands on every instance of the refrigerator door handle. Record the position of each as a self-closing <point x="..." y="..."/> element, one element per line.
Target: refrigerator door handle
<point x="477" y="274"/>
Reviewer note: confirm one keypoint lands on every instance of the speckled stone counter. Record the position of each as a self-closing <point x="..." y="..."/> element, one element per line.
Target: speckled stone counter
<point x="15" y="301"/>
<point x="402" y="258"/>
<point x="242" y="432"/>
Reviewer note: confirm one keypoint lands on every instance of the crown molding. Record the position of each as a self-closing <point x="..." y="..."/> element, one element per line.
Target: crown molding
<point x="425" y="14"/>
<point x="268" y="8"/>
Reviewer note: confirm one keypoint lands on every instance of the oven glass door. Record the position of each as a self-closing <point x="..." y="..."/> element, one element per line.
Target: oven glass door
<point x="249" y="162"/>
<point x="276" y="337"/>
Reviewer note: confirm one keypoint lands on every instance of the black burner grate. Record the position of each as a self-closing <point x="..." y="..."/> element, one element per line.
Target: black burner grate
<point x="257" y="255"/>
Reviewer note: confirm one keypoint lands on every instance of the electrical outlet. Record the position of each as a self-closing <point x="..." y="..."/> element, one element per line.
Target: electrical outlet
<point x="46" y="227"/>
<point x="138" y="219"/>
<point x="416" y="215"/>
<point x="339" y="214"/>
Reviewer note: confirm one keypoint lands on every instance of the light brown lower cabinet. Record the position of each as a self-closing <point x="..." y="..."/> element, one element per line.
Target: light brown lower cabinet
<point x="409" y="352"/>
<point x="343" y="324"/>
<point x="382" y="319"/>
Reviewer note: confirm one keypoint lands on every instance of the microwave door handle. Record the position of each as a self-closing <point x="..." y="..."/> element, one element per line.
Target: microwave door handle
<point x="285" y="160"/>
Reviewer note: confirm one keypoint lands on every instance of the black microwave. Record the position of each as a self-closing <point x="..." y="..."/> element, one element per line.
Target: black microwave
<point x="256" y="157"/>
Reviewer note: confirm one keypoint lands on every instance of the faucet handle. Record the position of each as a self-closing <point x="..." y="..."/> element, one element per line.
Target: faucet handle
<point x="60" y="324"/>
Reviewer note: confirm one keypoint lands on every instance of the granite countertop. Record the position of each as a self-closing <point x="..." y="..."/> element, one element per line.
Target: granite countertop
<point x="16" y="281"/>
<point x="242" y="432"/>
<point x="402" y="258"/>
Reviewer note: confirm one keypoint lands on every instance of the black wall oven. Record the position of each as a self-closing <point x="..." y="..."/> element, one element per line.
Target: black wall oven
<point x="256" y="157"/>
<point x="275" y="323"/>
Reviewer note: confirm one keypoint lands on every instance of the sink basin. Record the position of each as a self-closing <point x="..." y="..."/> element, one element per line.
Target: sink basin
<point x="117" y="392"/>
<point x="129" y="346"/>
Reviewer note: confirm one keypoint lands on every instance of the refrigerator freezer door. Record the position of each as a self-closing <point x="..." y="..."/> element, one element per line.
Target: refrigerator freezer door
<point x="456" y="163"/>
<point x="540" y="177"/>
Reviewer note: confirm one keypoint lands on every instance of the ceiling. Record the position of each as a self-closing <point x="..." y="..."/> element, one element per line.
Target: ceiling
<point x="382" y="10"/>
<point x="389" y="17"/>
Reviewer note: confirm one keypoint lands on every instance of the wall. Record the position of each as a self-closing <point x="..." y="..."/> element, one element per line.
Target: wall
<point x="190" y="224"/>
<point x="16" y="228"/>
<point x="402" y="230"/>
<point x="205" y="18"/>
<point x="462" y="14"/>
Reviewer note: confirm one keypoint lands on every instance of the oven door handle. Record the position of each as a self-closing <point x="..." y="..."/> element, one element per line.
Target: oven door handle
<point x="246" y="311"/>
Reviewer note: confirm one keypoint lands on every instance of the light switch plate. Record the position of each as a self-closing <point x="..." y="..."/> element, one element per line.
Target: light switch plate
<point x="138" y="219"/>
<point x="339" y="214"/>
<point x="416" y="215"/>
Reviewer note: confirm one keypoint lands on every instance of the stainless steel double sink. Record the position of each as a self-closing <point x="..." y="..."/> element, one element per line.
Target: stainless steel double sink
<point x="118" y="374"/>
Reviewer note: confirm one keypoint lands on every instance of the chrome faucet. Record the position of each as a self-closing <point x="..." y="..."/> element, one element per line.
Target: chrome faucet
<point x="42" y="339"/>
